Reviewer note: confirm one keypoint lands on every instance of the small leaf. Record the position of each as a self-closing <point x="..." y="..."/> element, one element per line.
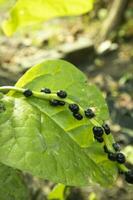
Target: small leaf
<point x="128" y="151"/>
<point x="11" y="185"/>
<point x="48" y="141"/>
<point x="28" y="13"/>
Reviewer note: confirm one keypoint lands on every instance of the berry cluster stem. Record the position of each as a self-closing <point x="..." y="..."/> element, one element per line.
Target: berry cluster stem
<point x="108" y="139"/>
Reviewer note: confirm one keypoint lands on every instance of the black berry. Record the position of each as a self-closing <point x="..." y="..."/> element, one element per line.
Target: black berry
<point x="46" y="90"/>
<point x="106" y="128"/>
<point x="99" y="139"/>
<point x="89" y="113"/>
<point x="116" y="146"/>
<point x="105" y="149"/>
<point x="27" y="93"/>
<point x="112" y="156"/>
<point x="61" y="103"/>
<point x="129" y="176"/>
<point x="74" y="108"/>
<point x="98" y="131"/>
<point x="120" y="158"/>
<point x="78" y="116"/>
<point x="62" y="94"/>
<point x="54" y="102"/>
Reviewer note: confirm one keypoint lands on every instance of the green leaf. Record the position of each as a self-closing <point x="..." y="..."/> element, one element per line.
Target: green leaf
<point x="57" y="192"/>
<point x="11" y="185"/>
<point x="128" y="151"/>
<point x="3" y="2"/>
<point x="28" y="13"/>
<point x="47" y="141"/>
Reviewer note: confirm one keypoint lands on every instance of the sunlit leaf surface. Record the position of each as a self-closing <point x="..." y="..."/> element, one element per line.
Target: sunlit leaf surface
<point x="48" y="141"/>
<point x="27" y="12"/>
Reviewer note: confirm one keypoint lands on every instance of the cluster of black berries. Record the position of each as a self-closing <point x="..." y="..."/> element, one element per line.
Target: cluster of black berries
<point x="62" y="94"/>
<point x="116" y="147"/>
<point x="98" y="132"/>
<point x="117" y="156"/>
<point x="74" y="108"/>
<point x="129" y="176"/>
<point x="54" y="102"/>
<point x="120" y="158"/>
<point x="106" y="129"/>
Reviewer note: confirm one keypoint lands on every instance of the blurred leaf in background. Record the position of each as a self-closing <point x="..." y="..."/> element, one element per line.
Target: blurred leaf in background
<point x="128" y="150"/>
<point x="6" y="3"/>
<point x="12" y="186"/>
<point x="2" y="1"/>
<point x="27" y="12"/>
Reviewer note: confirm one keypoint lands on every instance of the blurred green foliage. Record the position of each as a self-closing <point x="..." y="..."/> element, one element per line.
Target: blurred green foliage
<point x="12" y="186"/>
<point x="25" y="12"/>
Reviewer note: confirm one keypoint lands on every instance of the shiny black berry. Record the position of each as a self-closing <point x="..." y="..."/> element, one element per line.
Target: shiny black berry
<point x="120" y="158"/>
<point x="61" y="103"/>
<point x="46" y="90"/>
<point x="116" y="146"/>
<point x="98" y="131"/>
<point x="106" y="128"/>
<point x="74" y="108"/>
<point x="27" y="93"/>
<point x="105" y="149"/>
<point x="99" y="139"/>
<point x="54" y="102"/>
<point x="129" y="176"/>
<point x="62" y="94"/>
<point x="112" y="156"/>
<point x="78" y="116"/>
<point x="89" y="113"/>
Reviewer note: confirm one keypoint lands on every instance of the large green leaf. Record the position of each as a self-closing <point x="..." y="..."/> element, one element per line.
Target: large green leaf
<point x="11" y="185"/>
<point x="59" y="74"/>
<point x="48" y="141"/>
<point x="27" y="12"/>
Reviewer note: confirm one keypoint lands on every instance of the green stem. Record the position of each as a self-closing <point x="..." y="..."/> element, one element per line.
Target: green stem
<point x="122" y="168"/>
<point x="50" y="96"/>
<point x="4" y="88"/>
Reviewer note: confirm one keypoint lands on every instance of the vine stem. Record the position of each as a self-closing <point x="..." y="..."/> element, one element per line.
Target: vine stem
<point x="50" y="96"/>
